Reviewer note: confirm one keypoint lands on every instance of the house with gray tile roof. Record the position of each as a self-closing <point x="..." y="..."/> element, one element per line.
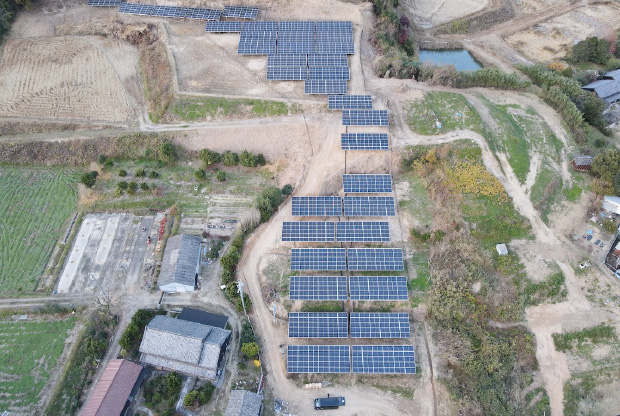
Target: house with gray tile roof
<point x="180" y="265"/>
<point x="244" y="403"/>
<point x="183" y="346"/>
<point x="607" y="88"/>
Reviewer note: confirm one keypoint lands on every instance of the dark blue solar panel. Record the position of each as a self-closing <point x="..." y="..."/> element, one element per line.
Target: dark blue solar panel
<point x="335" y="48"/>
<point x="347" y="102"/>
<point x="255" y="34"/>
<point x="367" y="184"/>
<point x="325" y="86"/>
<point x="294" y="47"/>
<point x="308" y="231"/>
<point x="318" y="288"/>
<point x="287" y="60"/>
<point x="328" y="60"/>
<point x="241" y="12"/>
<point x="334" y="37"/>
<point x="365" y="118"/>
<point x="257" y="46"/>
<point x="318" y="359"/>
<point x="281" y="73"/>
<point x="379" y="325"/>
<point x="296" y="37"/>
<point x="104" y="3"/>
<point x="383" y="359"/>
<point x="261" y="26"/>
<point x="362" y="231"/>
<point x="334" y="26"/>
<point x="137" y="9"/>
<point x="224" y="27"/>
<point x="329" y="72"/>
<point x="364" y="141"/>
<point x="318" y="325"/>
<point x="375" y="259"/>
<point x="203" y="14"/>
<point x="317" y="206"/>
<point x="378" y="288"/>
<point x="318" y="259"/>
<point x="297" y="26"/>
<point x="369" y="206"/>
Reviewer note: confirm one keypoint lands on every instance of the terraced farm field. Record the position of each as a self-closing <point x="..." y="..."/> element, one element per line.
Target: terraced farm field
<point x="28" y="354"/>
<point x="35" y="208"/>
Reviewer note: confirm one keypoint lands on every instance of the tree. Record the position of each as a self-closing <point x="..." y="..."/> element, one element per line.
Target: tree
<point x="89" y="178"/>
<point x="230" y="159"/>
<point x="250" y="349"/>
<point x="221" y="176"/>
<point x="209" y="157"/>
<point x="260" y="160"/>
<point x="274" y="194"/>
<point x="229" y="260"/>
<point x="122" y="185"/>
<point x="190" y="398"/>
<point x="200" y="174"/>
<point x="132" y="188"/>
<point x="592" y="107"/>
<point x="140" y="173"/>
<point x="606" y="165"/>
<point x="122" y="173"/>
<point x="205" y="393"/>
<point x="247" y="335"/>
<point x="265" y="208"/>
<point x="591" y="50"/>
<point x="101" y="159"/>
<point x="287" y="189"/>
<point x="166" y="152"/>
<point x="173" y="382"/>
<point x="247" y="159"/>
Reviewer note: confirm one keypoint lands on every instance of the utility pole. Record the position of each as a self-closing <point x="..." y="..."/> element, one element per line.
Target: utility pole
<point x="92" y="276"/>
<point x="240" y="291"/>
<point x="274" y="309"/>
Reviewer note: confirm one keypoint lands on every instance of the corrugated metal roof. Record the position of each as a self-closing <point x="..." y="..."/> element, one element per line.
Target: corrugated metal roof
<point x="244" y="403"/>
<point x="607" y="89"/>
<point x="614" y="74"/>
<point x="179" y="327"/>
<point x="180" y="260"/>
<point x="112" y="389"/>
<point x="582" y="160"/>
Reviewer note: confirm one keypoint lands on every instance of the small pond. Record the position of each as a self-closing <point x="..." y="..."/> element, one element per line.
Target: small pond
<point x="460" y="58"/>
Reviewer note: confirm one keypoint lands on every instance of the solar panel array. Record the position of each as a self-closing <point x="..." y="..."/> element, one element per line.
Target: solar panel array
<point x="334" y="26"/>
<point x="104" y="3"/>
<point x="308" y="231"/>
<point x="375" y="259"/>
<point x="367" y="183"/>
<point x="325" y="86"/>
<point x="297" y="26"/>
<point x="224" y="27"/>
<point x="364" y="141"/>
<point x="318" y="325"/>
<point x="318" y="259"/>
<point x="383" y="359"/>
<point x="365" y="118"/>
<point x="318" y="288"/>
<point x="329" y="72"/>
<point x="362" y="231"/>
<point x="317" y="206"/>
<point x="378" y="288"/>
<point x="380" y="325"/>
<point x="318" y="359"/>
<point x="292" y="73"/>
<point x="369" y="206"/>
<point x="169" y="11"/>
<point x="256" y="46"/>
<point x="241" y="12"/>
<point x="345" y="102"/>
<point x="328" y="60"/>
<point x="297" y="60"/>
<point x="261" y="26"/>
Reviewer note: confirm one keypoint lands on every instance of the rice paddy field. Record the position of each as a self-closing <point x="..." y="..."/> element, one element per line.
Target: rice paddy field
<point x="35" y="210"/>
<point x="29" y="352"/>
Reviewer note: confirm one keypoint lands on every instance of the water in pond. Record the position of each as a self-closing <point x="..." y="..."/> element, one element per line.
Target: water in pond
<point x="460" y="58"/>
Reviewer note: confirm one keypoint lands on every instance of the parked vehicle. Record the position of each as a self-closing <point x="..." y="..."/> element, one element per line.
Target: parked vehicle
<point x="328" y="403"/>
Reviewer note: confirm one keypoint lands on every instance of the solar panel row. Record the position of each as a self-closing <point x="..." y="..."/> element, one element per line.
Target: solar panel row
<point x="354" y="206"/>
<point x="330" y="72"/>
<point x="283" y="73"/>
<point x="324" y="231"/>
<point x="346" y="102"/>
<point x="380" y="325"/>
<point x="241" y="12"/>
<point x="318" y="288"/>
<point x="372" y="288"/>
<point x="364" y="141"/>
<point x="104" y="3"/>
<point x="325" y="86"/>
<point x="261" y="26"/>
<point x="318" y="325"/>
<point x="376" y="359"/>
<point x="365" y="118"/>
<point x="328" y="60"/>
<point x="287" y="60"/>
<point x="169" y="11"/>
<point x="257" y="46"/>
<point x="337" y="259"/>
<point x="367" y="183"/>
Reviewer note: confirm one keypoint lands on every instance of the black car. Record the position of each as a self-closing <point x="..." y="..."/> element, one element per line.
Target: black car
<point x="328" y="403"/>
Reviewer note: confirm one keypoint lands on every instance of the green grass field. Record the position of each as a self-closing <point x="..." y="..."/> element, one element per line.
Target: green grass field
<point x="200" y="109"/>
<point x="451" y="111"/>
<point x="35" y="207"/>
<point x="29" y="352"/>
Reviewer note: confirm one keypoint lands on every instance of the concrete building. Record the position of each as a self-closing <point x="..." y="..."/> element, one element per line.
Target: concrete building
<point x="114" y="390"/>
<point x="244" y="403"/>
<point x="183" y="346"/>
<point x="181" y="263"/>
<point x="611" y="204"/>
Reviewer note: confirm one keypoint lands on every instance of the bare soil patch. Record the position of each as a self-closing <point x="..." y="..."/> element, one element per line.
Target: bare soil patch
<point x="60" y="78"/>
<point x="432" y="12"/>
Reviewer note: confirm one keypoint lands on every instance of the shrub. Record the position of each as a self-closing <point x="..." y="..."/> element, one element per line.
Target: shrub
<point x="209" y="157"/>
<point x="89" y="178"/>
<point x="250" y="349"/>
<point x="591" y="50"/>
<point x="153" y="175"/>
<point x="247" y="335"/>
<point x="190" y="398"/>
<point x="205" y="393"/>
<point x="132" y="188"/>
<point x="122" y="173"/>
<point x="200" y="175"/>
<point x="230" y="159"/>
<point x="140" y="173"/>
<point x="144" y="186"/>
<point x="221" y="176"/>
<point x="260" y="160"/>
<point x="610" y="226"/>
<point x="247" y="159"/>
<point x="214" y="251"/>
<point x="166" y="152"/>
<point x="122" y="185"/>
<point x="612" y="64"/>
<point x="267" y="201"/>
<point x="101" y="159"/>
<point x="118" y="192"/>
<point x="287" y="189"/>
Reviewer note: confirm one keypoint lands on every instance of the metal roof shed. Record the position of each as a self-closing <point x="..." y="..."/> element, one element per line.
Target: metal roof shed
<point x="180" y="265"/>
